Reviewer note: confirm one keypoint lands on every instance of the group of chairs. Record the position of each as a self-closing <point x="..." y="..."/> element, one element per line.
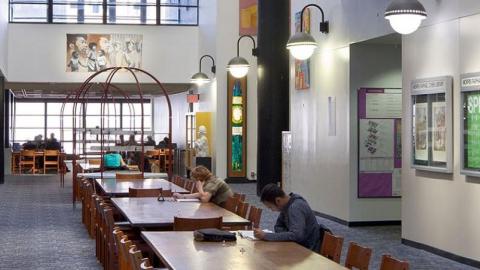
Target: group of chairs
<point x="358" y="257"/>
<point x="29" y="160"/>
<point x="118" y="246"/>
<point x="159" y="159"/>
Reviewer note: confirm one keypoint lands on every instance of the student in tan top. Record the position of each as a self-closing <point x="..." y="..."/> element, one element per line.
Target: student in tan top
<point x="210" y="188"/>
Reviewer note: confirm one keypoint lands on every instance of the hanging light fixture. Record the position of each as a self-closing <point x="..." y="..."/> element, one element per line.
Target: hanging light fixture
<point x="238" y="66"/>
<point x="201" y="78"/>
<point x="405" y="16"/>
<point x="302" y="45"/>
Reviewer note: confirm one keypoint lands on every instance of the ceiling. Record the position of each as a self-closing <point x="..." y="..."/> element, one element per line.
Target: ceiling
<point x="61" y="90"/>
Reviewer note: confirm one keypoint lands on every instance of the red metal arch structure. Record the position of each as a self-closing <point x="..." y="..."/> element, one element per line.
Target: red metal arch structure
<point x="108" y="94"/>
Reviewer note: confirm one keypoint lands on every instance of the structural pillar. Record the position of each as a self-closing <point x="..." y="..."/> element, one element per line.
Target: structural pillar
<point x="2" y="127"/>
<point x="272" y="89"/>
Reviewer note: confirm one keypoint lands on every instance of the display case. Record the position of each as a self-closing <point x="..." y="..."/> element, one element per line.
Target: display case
<point x="470" y="124"/>
<point x="432" y="147"/>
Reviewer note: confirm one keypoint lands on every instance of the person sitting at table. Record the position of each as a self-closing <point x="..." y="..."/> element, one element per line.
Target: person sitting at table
<point x="131" y="140"/>
<point x="114" y="161"/>
<point x="52" y="143"/>
<point x="150" y="141"/>
<point x="210" y="188"/>
<point x="296" y="221"/>
<point x="121" y="141"/>
<point x="164" y="144"/>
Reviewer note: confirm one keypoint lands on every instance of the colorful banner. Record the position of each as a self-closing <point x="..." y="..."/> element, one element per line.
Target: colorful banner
<point x="302" y="68"/>
<point x="473" y="130"/>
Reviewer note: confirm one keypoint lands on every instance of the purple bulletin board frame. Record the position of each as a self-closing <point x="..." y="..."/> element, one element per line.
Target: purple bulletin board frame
<point x="376" y="184"/>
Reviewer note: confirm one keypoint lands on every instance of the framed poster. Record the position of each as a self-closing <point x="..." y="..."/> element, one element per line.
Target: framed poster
<point x="302" y="67"/>
<point x="432" y="124"/>
<point x="237" y="127"/>
<point x="379" y="142"/>
<point x="470" y="124"/>
<point x="248" y="17"/>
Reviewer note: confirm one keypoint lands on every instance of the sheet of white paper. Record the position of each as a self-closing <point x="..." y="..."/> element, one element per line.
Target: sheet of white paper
<point x="188" y="200"/>
<point x="385" y="105"/>
<point x="439" y="132"/>
<point x="332" y="116"/>
<point x="421" y="131"/>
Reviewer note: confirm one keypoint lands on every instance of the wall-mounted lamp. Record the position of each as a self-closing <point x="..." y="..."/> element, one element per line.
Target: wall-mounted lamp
<point x="302" y="45"/>
<point x="405" y="16"/>
<point x="238" y="66"/>
<point x="201" y="78"/>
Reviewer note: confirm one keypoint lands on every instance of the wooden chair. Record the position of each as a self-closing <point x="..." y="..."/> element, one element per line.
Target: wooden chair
<point x="129" y="176"/>
<point x="332" y="247"/>
<point x="189" y="185"/>
<point x="231" y="204"/>
<point x="15" y="168"/>
<point x="137" y="260"/>
<point x="358" y="257"/>
<point x="254" y="217"/>
<point x="144" y="192"/>
<point x="51" y="159"/>
<point x="122" y="257"/>
<point x="242" y="209"/>
<point x="145" y="265"/>
<point x="27" y="160"/>
<point x="390" y="263"/>
<point x="95" y="161"/>
<point x="191" y="224"/>
<point x="240" y="196"/>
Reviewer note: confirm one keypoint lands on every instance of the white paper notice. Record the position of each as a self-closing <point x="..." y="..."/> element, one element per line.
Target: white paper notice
<point x="376" y="144"/>
<point x="421" y="131"/>
<point x="439" y="131"/>
<point x="384" y="105"/>
<point x="397" y="182"/>
<point x="332" y="117"/>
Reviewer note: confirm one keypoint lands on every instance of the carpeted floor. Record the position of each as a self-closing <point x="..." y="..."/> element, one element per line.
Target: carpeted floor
<point x="41" y="230"/>
<point x="382" y="239"/>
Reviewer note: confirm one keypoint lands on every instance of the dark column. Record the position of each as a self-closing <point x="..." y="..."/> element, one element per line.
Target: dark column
<point x="273" y="88"/>
<point x="2" y="127"/>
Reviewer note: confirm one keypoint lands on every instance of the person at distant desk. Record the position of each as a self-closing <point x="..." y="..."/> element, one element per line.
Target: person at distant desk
<point x="165" y="142"/>
<point x="121" y="141"/>
<point x="296" y="221"/>
<point x="52" y="143"/>
<point x="131" y="140"/>
<point x="114" y="161"/>
<point x="150" y="141"/>
<point x="210" y="188"/>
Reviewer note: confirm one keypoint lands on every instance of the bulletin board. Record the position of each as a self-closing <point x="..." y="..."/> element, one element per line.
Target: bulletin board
<point x="379" y="142"/>
<point x="470" y="124"/>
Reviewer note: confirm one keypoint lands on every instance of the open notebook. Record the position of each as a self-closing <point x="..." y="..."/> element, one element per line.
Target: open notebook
<point x="249" y="234"/>
<point x="187" y="200"/>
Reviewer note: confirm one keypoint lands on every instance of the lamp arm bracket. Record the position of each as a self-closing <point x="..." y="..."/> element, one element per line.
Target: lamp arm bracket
<point x="254" y="50"/>
<point x="213" y="63"/>
<point x="324" y="26"/>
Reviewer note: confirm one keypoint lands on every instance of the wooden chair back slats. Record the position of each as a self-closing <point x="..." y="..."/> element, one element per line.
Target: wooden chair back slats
<point x="390" y="263"/>
<point x="144" y="192"/>
<point x="189" y="185"/>
<point x="231" y="204"/>
<point x="332" y="247"/>
<point x="129" y="176"/>
<point x="95" y="161"/>
<point x="242" y="209"/>
<point x="240" y="196"/>
<point x="358" y="257"/>
<point x="254" y="216"/>
<point x="191" y="224"/>
<point x="122" y="257"/>
<point x="145" y="265"/>
<point x="51" y="159"/>
<point x="125" y="246"/>
<point x="136" y="258"/>
<point x="27" y="160"/>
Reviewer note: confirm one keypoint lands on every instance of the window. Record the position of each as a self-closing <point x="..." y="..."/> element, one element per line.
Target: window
<point x="34" y="118"/>
<point x="149" y="12"/>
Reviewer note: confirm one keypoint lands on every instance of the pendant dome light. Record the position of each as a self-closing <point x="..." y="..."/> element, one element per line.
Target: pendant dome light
<point x="405" y="16"/>
<point x="238" y="66"/>
<point x="201" y="78"/>
<point x="302" y="45"/>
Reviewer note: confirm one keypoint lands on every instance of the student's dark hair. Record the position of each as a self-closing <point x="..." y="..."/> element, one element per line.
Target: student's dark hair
<point x="270" y="192"/>
<point x="91" y="44"/>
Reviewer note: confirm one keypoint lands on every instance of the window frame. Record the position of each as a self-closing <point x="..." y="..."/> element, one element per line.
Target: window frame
<point x="105" y="19"/>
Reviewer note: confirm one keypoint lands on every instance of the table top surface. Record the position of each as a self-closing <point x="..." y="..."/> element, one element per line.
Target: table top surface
<point x="114" y="187"/>
<point x="88" y="166"/>
<point x="149" y="212"/>
<point x="178" y="250"/>
<point x="112" y="174"/>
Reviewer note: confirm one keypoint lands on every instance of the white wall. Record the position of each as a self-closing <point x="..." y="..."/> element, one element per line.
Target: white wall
<point x="376" y="66"/>
<point x="214" y="96"/>
<point x="3" y="36"/>
<point x="37" y="53"/>
<point x="442" y="210"/>
<point x="160" y="115"/>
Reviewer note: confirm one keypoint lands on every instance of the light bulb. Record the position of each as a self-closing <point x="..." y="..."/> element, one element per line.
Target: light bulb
<point x="199" y="79"/>
<point x="405" y="23"/>
<point x="301" y="45"/>
<point x="302" y="52"/>
<point x="238" y="71"/>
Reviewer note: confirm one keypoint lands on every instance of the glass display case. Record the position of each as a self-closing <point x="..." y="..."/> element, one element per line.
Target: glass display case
<point x="470" y="124"/>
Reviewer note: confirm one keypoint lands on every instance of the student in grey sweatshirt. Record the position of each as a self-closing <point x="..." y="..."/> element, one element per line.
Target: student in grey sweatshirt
<point x="296" y="221"/>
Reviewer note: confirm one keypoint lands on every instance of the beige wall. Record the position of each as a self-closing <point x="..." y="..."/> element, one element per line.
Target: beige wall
<point x="441" y="210"/>
<point x="3" y="36"/>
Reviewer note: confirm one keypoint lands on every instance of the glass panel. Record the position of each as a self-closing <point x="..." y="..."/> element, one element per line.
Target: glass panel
<point x="27" y="134"/>
<point x="67" y="134"/>
<point x="30" y="108"/>
<point x="109" y="122"/>
<point x="179" y="2"/>
<point x="55" y="108"/>
<point x="81" y="2"/>
<point x="178" y="15"/>
<point x="129" y="122"/>
<point x="28" y="1"/>
<point x="132" y="14"/>
<point x="53" y="121"/>
<point x="28" y="12"/>
<point x="30" y="121"/>
<point x="72" y="13"/>
<point x="135" y="2"/>
<point x="135" y="109"/>
<point x="67" y="147"/>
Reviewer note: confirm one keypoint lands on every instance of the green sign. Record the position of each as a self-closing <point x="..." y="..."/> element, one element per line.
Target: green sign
<point x="473" y="130"/>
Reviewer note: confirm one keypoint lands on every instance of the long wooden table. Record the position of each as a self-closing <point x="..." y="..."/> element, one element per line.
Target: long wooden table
<point x="119" y="188"/>
<point x="178" y="250"/>
<point x="151" y="213"/>
<point x="112" y="174"/>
